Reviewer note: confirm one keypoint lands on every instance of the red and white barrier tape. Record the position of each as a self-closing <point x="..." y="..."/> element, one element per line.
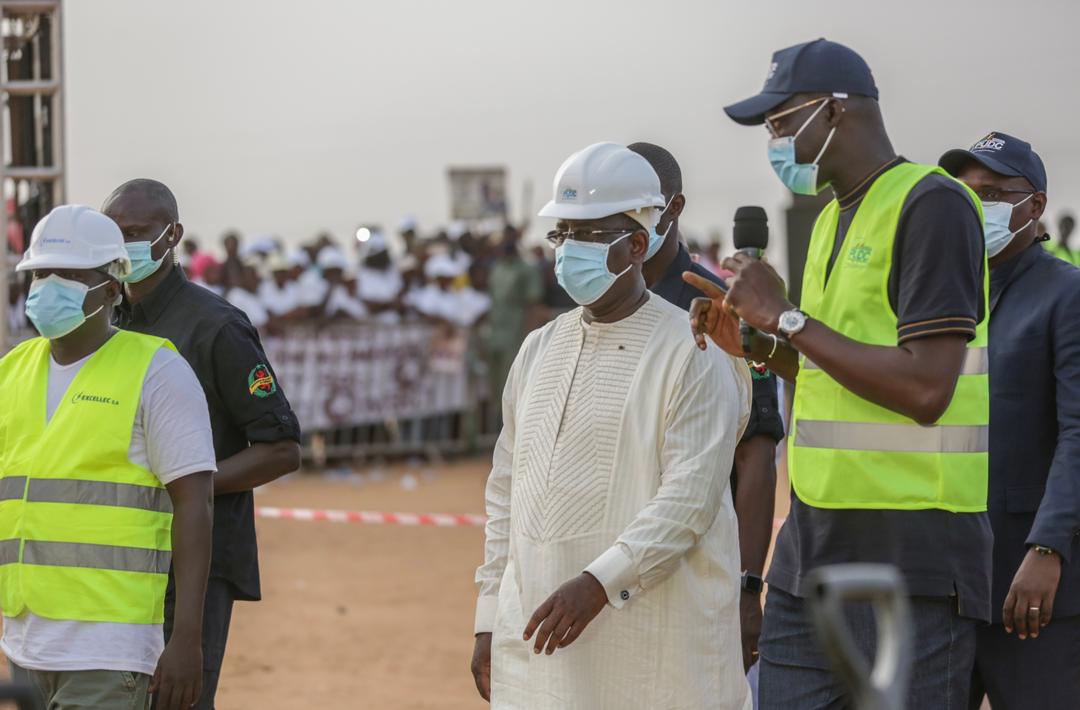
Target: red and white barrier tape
<point x="442" y="520"/>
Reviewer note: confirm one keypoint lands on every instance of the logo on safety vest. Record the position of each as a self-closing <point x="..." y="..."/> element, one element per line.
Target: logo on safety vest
<point x="93" y="398"/>
<point x="860" y="254"/>
<point x="991" y="142"/>
<point x="260" y="382"/>
<point x="569" y="194"/>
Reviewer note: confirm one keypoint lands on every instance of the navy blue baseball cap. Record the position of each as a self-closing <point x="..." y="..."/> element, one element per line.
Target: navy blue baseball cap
<point x="814" y="67"/>
<point x="1004" y="155"/>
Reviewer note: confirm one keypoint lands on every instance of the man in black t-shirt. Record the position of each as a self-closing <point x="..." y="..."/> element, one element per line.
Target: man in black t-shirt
<point x="820" y="105"/>
<point x="256" y="434"/>
<point x="753" y="476"/>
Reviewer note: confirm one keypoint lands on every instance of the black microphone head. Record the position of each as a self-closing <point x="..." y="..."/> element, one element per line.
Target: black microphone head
<point x="751" y="228"/>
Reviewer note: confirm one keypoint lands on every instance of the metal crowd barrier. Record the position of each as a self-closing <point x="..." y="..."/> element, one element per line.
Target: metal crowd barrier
<point x="371" y="390"/>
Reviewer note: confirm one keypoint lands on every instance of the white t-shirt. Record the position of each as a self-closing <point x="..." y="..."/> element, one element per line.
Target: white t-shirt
<point x="474" y="305"/>
<point x="250" y="304"/>
<point x="378" y="285"/>
<point x="277" y="300"/>
<point x="311" y="288"/>
<point x="341" y="302"/>
<point x="461" y="307"/>
<point x="172" y="438"/>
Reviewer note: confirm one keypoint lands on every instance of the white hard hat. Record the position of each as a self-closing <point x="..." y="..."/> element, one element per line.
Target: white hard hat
<point x="277" y="262"/>
<point x="332" y="258"/>
<point x="260" y="245"/>
<point x="299" y="257"/>
<point x="602" y="180"/>
<point x="442" y="266"/>
<point x="376" y="243"/>
<point x="75" y="237"/>
<point x="457" y="230"/>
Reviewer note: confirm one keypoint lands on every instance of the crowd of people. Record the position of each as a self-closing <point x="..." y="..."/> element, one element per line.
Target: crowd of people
<point x="454" y="276"/>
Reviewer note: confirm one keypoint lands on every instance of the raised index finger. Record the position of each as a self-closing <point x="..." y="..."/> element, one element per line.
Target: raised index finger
<point x="703" y="284"/>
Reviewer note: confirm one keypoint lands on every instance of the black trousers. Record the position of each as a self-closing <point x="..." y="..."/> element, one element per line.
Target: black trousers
<point x="1037" y="673"/>
<point x="217" y="615"/>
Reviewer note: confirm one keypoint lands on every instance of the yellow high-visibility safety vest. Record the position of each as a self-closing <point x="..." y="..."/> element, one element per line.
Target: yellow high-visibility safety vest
<point x="85" y="534"/>
<point x="1063" y="253"/>
<point x="846" y="452"/>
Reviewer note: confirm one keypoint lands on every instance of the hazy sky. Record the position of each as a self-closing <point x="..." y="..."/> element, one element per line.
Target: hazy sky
<point x="291" y="117"/>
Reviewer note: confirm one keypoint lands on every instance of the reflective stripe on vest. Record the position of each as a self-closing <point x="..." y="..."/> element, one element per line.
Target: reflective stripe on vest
<point x="911" y="438"/>
<point x="113" y="557"/>
<point x="85" y="534"/>
<point x="847" y="452"/>
<point x="9" y="551"/>
<point x="124" y="495"/>
<point x="12" y="488"/>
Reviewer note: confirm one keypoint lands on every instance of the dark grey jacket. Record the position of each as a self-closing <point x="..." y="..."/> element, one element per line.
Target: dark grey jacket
<point x="1034" y="495"/>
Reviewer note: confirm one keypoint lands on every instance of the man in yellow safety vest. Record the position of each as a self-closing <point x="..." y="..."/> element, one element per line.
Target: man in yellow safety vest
<point x="888" y="439"/>
<point x="106" y="463"/>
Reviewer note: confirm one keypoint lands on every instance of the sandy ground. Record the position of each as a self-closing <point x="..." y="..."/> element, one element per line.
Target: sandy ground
<point x="362" y="615"/>
<point x="359" y="615"/>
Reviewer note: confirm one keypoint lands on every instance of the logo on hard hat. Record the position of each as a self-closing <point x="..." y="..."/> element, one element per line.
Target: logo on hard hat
<point x="569" y="194"/>
<point x="991" y="142"/>
<point x="260" y="382"/>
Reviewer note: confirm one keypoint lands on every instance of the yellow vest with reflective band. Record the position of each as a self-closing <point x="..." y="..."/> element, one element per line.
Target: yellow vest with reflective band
<point x="85" y="534"/>
<point x="846" y="452"/>
<point x="1063" y="253"/>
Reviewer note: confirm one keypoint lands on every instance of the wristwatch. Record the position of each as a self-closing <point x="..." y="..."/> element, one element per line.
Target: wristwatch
<point x="1043" y="550"/>
<point x="752" y="584"/>
<point x="791" y="322"/>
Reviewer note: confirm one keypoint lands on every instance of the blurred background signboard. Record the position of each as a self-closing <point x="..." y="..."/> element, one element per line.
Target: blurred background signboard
<point x="477" y="193"/>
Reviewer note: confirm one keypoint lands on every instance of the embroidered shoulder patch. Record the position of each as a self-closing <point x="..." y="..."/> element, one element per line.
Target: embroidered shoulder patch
<point x="260" y="382"/>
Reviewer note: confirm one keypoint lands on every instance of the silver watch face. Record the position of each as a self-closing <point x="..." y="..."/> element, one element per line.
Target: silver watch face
<point x="792" y="321"/>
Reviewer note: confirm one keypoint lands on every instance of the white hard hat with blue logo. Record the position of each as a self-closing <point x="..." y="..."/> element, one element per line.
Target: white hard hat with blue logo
<point x="602" y="180"/>
<point x="75" y="237"/>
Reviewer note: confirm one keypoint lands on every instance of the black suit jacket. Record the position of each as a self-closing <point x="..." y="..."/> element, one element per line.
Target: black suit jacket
<point x="1034" y="495"/>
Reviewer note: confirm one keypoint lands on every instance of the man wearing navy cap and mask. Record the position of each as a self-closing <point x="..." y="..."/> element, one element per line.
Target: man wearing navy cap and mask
<point x="888" y="439"/>
<point x="1028" y="656"/>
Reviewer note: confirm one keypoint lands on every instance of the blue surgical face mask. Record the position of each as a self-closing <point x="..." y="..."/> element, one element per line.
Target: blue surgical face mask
<point x="582" y="270"/>
<point x="802" y="179"/>
<point x="55" y="305"/>
<point x="656" y="240"/>
<point x="143" y="266"/>
<point x="996" y="219"/>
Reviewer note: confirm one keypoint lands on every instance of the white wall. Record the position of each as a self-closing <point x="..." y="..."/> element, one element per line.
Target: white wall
<point x="290" y="117"/>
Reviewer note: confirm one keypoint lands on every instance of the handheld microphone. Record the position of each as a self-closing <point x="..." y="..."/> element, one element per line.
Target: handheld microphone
<point x="751" y="237"/>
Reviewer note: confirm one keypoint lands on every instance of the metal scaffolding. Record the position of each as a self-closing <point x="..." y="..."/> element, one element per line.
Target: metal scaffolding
<point x="32" y="166"/>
